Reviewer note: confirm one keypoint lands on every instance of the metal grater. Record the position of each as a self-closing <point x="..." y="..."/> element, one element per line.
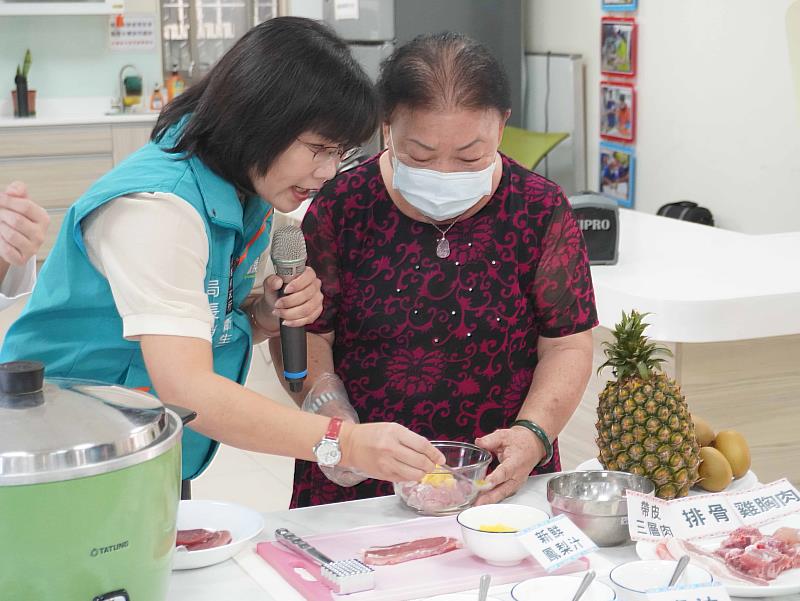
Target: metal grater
<point x="343" y="577"/>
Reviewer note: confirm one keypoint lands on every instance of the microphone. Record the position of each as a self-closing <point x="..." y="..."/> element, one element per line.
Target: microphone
<point x="289" y="258"/>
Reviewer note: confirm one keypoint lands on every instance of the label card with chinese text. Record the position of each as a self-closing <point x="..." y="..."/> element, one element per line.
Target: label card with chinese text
<point x="715" y="592"/>
<point x="701" y="516"/>
<point x="556" y="542"/>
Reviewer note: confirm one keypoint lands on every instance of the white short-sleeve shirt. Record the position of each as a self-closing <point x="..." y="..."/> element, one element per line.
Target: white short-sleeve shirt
<point x="153" y="250"/>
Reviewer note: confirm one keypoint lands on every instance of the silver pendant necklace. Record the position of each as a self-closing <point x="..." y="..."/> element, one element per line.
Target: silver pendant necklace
<point x="442" y="244"/>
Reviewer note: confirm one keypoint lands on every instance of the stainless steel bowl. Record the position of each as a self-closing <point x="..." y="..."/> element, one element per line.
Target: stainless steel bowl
<point x="595" y="501"/>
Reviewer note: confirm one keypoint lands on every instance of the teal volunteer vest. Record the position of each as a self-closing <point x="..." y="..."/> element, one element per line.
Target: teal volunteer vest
<point x="71" y="322"/>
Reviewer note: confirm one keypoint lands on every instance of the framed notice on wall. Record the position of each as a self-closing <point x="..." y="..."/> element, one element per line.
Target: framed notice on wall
<point x="617" y="111"/>
<point x="618" y="47"/>
<point x="617" y="163"/>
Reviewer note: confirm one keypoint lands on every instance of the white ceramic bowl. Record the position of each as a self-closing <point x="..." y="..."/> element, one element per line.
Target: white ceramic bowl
<point x="243" y="523"/>
<point x="498" y="548"/>
<point x="632" y="580"/>
<point x="560" y="588"/>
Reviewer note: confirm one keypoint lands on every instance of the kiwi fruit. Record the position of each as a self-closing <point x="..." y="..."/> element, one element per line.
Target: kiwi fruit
<point x="715" y="471"/>
<point x="705" y="435"/>
<point x="734" y="447"/>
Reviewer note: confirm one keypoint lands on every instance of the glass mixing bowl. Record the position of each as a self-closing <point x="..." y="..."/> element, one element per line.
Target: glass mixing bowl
<point x="441" y="493"/>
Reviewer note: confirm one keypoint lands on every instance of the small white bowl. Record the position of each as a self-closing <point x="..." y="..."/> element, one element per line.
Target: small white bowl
<point x="243" y="523"/>
<point x="632" y="580"/>
<point x="560" y="588"/>
<point x="498" y="548"/>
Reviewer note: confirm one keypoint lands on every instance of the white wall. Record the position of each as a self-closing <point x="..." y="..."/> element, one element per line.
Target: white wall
<point x="71" y="55"/>
<point x="717" y="122"/>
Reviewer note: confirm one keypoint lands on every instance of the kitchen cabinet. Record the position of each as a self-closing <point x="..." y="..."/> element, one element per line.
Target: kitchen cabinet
<point x="196" y="33"/>
<point x="59" y="162"/>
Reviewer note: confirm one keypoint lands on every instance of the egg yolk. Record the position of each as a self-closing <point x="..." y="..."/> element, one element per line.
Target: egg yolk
<point x="438" y="479"/>
<point x="496" y="528"/>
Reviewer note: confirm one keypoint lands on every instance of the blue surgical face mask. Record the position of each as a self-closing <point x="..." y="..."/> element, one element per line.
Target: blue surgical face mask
<point x="437" y="195"/>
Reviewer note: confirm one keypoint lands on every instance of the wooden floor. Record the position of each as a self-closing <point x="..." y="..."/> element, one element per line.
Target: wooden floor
<point x="750" y="386"/>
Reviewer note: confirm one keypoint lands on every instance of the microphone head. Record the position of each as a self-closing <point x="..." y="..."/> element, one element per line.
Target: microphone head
<point x="288" y="251"/>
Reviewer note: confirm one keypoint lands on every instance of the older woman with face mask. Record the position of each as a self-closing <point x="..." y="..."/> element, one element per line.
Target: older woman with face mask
<point x="457" y="294"/>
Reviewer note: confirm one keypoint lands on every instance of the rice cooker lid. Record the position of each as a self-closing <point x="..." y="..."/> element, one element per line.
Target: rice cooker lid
<point x="60" y="429"/>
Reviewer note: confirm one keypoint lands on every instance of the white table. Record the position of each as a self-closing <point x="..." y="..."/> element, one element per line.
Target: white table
<point x="229" y="581"/>
<point x="702" y="284"/>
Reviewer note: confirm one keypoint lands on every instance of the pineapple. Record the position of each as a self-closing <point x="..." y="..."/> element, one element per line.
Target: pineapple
<point x="643" y="424"/>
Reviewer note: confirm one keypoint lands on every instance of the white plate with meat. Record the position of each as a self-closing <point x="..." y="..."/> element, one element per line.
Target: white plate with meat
<point x="209" y="532"/>
<point x="746" y="482"/>
<point x="750" y="562"/>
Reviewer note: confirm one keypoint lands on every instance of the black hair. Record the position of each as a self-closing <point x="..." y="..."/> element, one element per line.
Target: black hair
<point x="443" y="70"/>
<point x="283" y="77"/>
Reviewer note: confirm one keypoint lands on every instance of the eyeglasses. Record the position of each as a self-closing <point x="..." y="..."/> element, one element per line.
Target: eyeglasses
<point x="323" y="154"/>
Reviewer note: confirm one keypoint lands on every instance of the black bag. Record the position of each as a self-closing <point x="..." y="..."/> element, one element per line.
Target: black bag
<point x="687" y="210"/>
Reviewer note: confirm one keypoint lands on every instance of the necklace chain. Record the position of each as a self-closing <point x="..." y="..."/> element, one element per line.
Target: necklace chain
<point x="443" y="232"/>
<point x="442" y="244"/>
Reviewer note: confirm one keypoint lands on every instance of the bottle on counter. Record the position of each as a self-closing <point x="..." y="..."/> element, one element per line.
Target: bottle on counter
<point x="175" y="84"/>
<point x="156" y="99"/>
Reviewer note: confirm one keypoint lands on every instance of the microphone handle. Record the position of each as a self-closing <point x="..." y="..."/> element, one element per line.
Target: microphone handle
<point x="294" y="353"/>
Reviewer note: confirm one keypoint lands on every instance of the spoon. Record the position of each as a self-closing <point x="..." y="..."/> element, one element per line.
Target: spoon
<point x="587" y="580"/>
<point x="483" y="589"/>
<point x="478" y="484"/>
<point x="682" y="563"/>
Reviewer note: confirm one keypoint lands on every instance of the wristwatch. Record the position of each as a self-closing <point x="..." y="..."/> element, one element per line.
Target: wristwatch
<point x="327" y="450"/>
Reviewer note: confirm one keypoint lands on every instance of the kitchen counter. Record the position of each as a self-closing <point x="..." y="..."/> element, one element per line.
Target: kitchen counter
<point x="78" y="120"/>
<point x="87" y="110"/>
<point x="229" y="581"/>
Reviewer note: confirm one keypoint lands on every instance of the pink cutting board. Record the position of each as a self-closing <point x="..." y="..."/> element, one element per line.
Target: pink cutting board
<point x="457" y="570"/>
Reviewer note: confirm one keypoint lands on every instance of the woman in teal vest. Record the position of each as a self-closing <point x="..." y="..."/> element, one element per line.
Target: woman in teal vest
<point x="150" y="282"/>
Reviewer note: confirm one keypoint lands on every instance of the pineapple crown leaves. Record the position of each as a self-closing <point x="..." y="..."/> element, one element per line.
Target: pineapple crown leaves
<point x="632" y="353"/>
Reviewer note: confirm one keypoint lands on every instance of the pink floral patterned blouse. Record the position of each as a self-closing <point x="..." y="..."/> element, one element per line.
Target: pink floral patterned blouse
<point x="446" y="347"/>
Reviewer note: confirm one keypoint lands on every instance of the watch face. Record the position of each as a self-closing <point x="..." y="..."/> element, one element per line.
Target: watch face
<point x="328" y="453"/>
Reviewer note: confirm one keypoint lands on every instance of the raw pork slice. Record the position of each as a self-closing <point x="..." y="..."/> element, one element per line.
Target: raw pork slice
<point x="674" y="548"/>
<point x="199" y="539"/>
<point x="746" y="555"/>
<point x="219" y="538"/>
<point x="409" y="550"/>
<point x="192" y="537"/>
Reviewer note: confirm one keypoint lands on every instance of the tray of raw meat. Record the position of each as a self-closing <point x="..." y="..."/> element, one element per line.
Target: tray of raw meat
<point x="750" y="562"/>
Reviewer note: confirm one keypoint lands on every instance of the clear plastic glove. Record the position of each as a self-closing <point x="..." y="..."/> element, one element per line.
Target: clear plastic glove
<point x="328" y="397"/>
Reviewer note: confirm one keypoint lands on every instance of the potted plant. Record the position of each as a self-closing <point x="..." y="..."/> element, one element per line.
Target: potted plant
<point x="24" y="100"/>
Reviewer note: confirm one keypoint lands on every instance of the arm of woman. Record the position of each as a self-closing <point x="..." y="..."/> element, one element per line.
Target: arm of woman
<point x="559" y="380"/>
<point x="234" y="415"/>
<point x="562" y="296"/>
<point x="166" y="310"/>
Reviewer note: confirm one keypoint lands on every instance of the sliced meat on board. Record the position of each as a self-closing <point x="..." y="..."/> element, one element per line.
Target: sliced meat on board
<point x="410" y="550"/>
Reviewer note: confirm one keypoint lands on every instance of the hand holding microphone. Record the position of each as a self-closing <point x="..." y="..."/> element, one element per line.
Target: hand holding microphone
<point x="295" y="293"/>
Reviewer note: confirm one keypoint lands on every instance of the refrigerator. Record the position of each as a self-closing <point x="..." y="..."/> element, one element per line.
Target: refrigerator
<point x="373" y="27"/>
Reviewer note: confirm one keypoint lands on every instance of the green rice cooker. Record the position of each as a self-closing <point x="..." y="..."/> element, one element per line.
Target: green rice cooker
<point x="89" y="489"/>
